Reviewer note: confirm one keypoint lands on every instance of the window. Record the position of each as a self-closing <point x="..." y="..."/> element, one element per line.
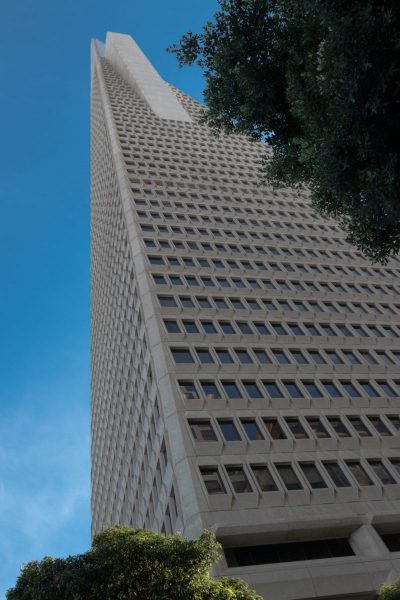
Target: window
<point x="173" y="262"/>
<point x="360" y="331"/>
<point x="252" y="389"/>
<point x="208" y="326"/>
<point x="386" y="388"/>
<point x="220" y="303"/>
<point x="245" y="328"/>
<point x="223" y="282"/>
<point x="262" y="329"/>
<point x="188" y="390"/>
<point x="253" y="304"/>
<point x="269" y="305"/>
<point x="272" y="389"/>
<point x="191" y="280"/>
<point x="186" y="302"/>
<point x="210" y="390"/>
<point x="238" y="479"/>
<point x="175" y="280"/>
<point x="182" y="355"/>
<point x="334" y="357"/>
<point x="204" y="302"/>
<point x="212" y="480"/>
<point x="167" y="301"/>
<point x="385" y="358"/>
<point x="392" y="541"/>
<point x="231" y="389"/>
<point x="251" y="428"/>
<point x="229" y="430"/>
<point x="159" y="279"/>
<point x="171" y="326"/>
<point x="205" y="356"/>
<point x="336" y="474"/>
<point x="190" y="327"/>
<point x="295" y="329"/>
<point x="207" y="282"/>
<point x="243" y="356"/>
<point x="313" y="476"/>
<point x="358" y="473"/>
<point x="289" y="477"/>
<point x="293" y="389"/>
<point x="350" y="389"/>
<point x="274" y="429"/>
<point x="312" y="389"/>
<point x="226" y="327"/>
<point x="379" y="426"/>
<point x="224" y="356"/>
<point x="337" y="424"/>
<point x="351" y="357"/>
<point x="395" y="421"/>
<point x="318" y="427"/>
<point x="296" y="428"/>
<point x="264" y="478"/>
<point x="316" y="357"/>
<point x="368" y="388"/>
<point x="360" y="427"/>
<point x="243" y="556"/>
<point x="311" y="329"/>
<point x="396" y="463"/>
<point x="279" y="328"/>
<point x="331" y="389"/>
<point x="344" y="330"/>
<point x="298" y="357"/>
<point x="156" y="260"/>
<point x="237" y="304"/>
<point x="202" y="431"/>
<point x="262" y="356"/>
<point x="368" y="357"/>
<point x="281" y="357"/>
<point x="381" y="472"/>
<point x="327" y="330"/>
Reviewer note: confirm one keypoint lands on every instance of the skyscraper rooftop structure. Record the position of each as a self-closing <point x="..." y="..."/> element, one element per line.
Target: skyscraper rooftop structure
<point x="245" y="357"/>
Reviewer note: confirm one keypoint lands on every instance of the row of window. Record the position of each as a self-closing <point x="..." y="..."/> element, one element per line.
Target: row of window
<point x="209" y="281"/>
<point x="289" y="388"/>
<point x="276" y="476"/>
<point x="238" y="234"/>
<point x="245" y="356"/>
<point x="242" y="556"/>
<point x="216" y="206"/>
<point x="263" y="554"/>
<point x="247" y="265"/>
<point x="266" y="304"/>
<point x="278" y="356"/>
<point x="238" y="222"/>
<point x="293" y="427"/>
<point x="236" y="248"/>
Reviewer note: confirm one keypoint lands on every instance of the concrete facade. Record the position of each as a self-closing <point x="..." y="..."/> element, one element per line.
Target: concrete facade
<point x="245" y="357"/>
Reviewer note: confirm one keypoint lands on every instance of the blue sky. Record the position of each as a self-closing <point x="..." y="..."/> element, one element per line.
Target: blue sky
<point x="44" y="256"/>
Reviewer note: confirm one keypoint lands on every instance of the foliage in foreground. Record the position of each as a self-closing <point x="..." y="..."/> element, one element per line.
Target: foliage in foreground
<point x="132" y="564"/>
<point x="319" y="80"/>
<point x="389" y="592"/>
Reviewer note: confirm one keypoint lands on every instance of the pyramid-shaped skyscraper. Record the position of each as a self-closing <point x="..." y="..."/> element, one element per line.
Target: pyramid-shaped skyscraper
<point x="245" y="357"/>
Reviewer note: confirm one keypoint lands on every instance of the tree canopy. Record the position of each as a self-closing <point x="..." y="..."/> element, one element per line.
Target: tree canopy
<point x="132" y="564"/>
<point x="389" y="592"/>
<point x="319" y="82"/>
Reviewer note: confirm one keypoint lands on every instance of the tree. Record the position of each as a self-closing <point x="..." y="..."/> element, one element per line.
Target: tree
<point x="132" y="564"/>
<point x="319" y="81"/>
<point x="389" y="592"/>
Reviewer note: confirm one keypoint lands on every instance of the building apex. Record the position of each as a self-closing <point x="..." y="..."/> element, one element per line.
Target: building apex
<point x="133" y="66"/>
